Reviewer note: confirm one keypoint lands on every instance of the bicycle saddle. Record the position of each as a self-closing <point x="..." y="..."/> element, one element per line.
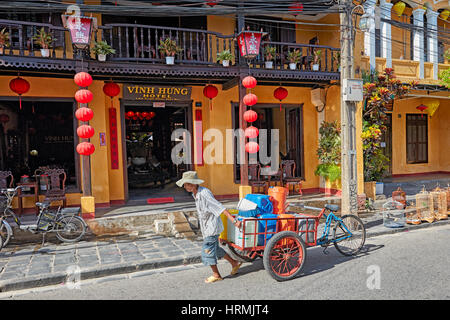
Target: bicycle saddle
<point x="43" y="204"/>
<point x="332" y="207"/>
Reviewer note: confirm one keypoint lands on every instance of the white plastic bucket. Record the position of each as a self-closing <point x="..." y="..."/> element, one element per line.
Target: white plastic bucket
<point x="251" y="228"/>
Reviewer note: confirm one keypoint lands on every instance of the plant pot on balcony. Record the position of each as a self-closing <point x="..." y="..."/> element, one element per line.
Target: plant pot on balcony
<point x="45" y="53"/>
<point x="101" y="57"/>
<point x="1" y="50"/>
<point x="315" y="67"/>
<point x="226" y="63"/>
<point x="170" y="60"/>
<point x="269" y="64"/>
<point x="292" y="66"/>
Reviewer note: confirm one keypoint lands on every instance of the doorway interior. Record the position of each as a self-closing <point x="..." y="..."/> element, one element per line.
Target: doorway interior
<point x="151" y="172"/>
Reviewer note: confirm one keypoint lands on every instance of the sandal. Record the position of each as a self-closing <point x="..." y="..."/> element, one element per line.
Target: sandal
<point x="212" y="279"/>
<point x="235" y="269"/>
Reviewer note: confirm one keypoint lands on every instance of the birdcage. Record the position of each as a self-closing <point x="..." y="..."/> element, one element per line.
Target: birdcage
<point x="439" y="203"/>
<point x="399" y="195"/>
<point x="412" y="216"/>
<point x="424" y="206"/>
<point x="394" y="214"/>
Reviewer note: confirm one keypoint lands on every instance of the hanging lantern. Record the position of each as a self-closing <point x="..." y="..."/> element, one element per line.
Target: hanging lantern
<point x="250" y="116"/>
<point x="138" y="115"/>
<point x="4" y="118"/>
<point x="83" y="79"/>
<point x="251" y="132"/>
<point x="19" y="86"/>
<point x="83" y="96"/>
<point x="280" y="93"/>
<point x="399" y="7"/>
<point x="444" y="14"/>
<point x="421" y="108"/>
<point x="433" y="105"/>
<point x="129" y="114"/>
<point x="250" y="99"/>
<point x="210" y="92"/>
<point x="85" y="131"/>
<point x="212" y="3"/>
<point x="151" y="114"/>
<point x="111" y="89"/>
<point x="249" y="82"/>
<point x="252" y="147"/>
<point x="85" y="148"/>
<point x="249" y="43"/>
<point x="84" y="114"/>
<point x="296" y="8"/>
<point x="144" y="114"/>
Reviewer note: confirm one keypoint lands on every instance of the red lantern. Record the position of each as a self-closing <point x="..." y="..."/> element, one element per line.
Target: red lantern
<point x="250" y="99"/>
<point x="4" y="118"/>
<point x="210" y="92"/>
<point x="212" y="3"/>
<point x="250" y="116"/>
<point x="19" y="86"/>
<point x="111" y="89"/>
<point x="252" y="147"/>
<point x="85" y="148"/>
<point x="249" y="42"/>
<point x="421" y="108"/>
<point x="280" y="93"/>
<point x="84" y="114"/>
<point x="83" y="79"/>
<point x="85" y="131"/>
<point x="151" y="114"/>
<point x="249" y="82"/>
<point x="144" y="115"/>
<point x="251" y="132"/>
<point x="138" y="115"/>
<point x="83" y="96"/>
<point x="130" y="114"/>
<point x="296" y="8"/>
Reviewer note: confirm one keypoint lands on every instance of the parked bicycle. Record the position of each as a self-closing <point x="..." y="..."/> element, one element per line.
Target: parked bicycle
<point x="66" y="223"/>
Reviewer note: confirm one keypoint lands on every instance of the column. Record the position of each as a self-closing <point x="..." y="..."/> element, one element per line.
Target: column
<point x="386" y="43"/>
<point x="432" y="39"/>
<point x="418" y="49"/>
<point x="369" y="36"/>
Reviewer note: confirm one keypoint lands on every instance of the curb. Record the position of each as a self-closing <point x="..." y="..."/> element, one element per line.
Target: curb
<point x="123" y="268"/>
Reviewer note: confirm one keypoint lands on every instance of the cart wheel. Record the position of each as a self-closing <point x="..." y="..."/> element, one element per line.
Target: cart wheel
<point x="241" y="254"/>
<point x="284" y="255"/>
<point x="352" y="245"/>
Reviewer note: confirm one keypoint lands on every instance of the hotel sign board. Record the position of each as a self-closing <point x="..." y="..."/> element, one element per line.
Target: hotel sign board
<point x="138" y="92"/>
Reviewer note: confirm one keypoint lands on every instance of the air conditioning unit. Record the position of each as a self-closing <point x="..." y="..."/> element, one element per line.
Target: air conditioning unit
<point x="318" y="97"/>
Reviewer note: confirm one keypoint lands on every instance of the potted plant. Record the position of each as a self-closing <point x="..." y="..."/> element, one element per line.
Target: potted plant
<point x="270" y="54"/>
<point x="4" y="40"/>
<point x="337" y="58"/>
<point x="44" y="40"/>
<point x="317" y="57"/>
<point x="294" y="58"/>
<point x="169" y="49"/>
<point x="329" y="151"/>
<point x="101" y="49"/>
<point x="225" y="56"/>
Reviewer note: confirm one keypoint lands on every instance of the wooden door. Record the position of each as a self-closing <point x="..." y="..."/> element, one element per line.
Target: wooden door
<point x="295" y="139"/>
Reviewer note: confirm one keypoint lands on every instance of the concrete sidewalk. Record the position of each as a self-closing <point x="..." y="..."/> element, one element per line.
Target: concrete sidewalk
<point x="28" y="266"/>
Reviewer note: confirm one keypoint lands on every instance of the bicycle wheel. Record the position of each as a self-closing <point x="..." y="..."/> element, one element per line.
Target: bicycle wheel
<point x="5" y="232"/>
<point x="284" y="255"/>
<point x="70" y="228"/>
<point x="349" y="246"/>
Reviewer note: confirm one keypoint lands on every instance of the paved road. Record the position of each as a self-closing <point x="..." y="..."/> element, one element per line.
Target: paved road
<point x="408" y="265"/>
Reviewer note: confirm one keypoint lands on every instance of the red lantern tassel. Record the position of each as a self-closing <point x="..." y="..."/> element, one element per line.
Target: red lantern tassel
<point x="20" y="102"/>
<point x="280" y="105"/>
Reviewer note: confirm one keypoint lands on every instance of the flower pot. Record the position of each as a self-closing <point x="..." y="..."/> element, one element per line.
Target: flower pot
<point x="170" y="60"/>
<point x="379" y="188"/>
<point x="292" y="66"/>
<point x="226" y="63"/>
<point x="45" y="53"/>
<point x="269" y="64"/>
<point x="101" y="57"/>
<point x="315" y="67"/>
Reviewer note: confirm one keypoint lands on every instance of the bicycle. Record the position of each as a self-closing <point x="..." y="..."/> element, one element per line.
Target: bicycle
<point x="284" y="250"/>
<point x="67" y="225"/>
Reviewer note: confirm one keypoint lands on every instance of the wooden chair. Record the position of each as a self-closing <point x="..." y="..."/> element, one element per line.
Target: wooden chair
<point x="288" y="176"/>
<point x="254" y="178"/>
<point x="56" y="185"/>
<point x="4" y="175"/>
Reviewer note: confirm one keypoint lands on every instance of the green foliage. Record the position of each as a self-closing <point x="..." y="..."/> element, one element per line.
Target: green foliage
<point x="294" y="56"/>
<point x="102" y="47"/>
<point x="43" y="39"/>
<point x="270" y="53"/>
<point x="329" y="151"/>
<point x="168" y="47"/>
<point x="336" y="57"/>
<point x="225" y="55"/>
<point x="4" y="38"/>
<point x="376" y="163"/>
<point x="317" y="56"/>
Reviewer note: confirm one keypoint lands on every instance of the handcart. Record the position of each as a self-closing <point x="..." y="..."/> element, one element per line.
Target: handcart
<point x="282" y="241"/>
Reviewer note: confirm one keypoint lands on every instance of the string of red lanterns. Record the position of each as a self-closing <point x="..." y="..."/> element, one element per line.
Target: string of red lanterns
<point x="250" y="116"/>
<point x="130" y="115"/>
<point x="84" y="114"/>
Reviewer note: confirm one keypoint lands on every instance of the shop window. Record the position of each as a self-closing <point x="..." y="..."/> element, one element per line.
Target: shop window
<point x="416" y="138"/>
<point x="41" y="134"/>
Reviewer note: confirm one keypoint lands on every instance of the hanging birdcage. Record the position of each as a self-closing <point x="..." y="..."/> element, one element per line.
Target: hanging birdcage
<point x="399" y="195"/>
<point x="412" y="215"/>
<point x="424" y="206"/>
<point x="439" y="203"/>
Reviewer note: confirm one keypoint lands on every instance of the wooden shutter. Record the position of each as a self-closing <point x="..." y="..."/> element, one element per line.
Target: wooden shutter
<point x="416" y="138"/>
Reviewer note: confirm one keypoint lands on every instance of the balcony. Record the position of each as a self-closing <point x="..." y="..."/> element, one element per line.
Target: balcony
<point x="137" y="54"/>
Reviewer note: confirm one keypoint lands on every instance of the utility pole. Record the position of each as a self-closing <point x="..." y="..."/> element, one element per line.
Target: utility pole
<point x="349" y="204"/>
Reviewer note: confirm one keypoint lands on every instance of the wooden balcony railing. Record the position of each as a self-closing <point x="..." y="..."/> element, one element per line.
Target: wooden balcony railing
<point x="135" y="43"/>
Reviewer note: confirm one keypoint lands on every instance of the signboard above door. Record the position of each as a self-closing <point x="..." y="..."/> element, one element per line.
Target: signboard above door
<point x="139" y="92"/>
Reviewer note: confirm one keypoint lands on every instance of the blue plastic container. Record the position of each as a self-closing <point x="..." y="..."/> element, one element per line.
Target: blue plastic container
<point x="264" y="205"/>
<point x="249" y="213"/>
<point x="271" y="227"/>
